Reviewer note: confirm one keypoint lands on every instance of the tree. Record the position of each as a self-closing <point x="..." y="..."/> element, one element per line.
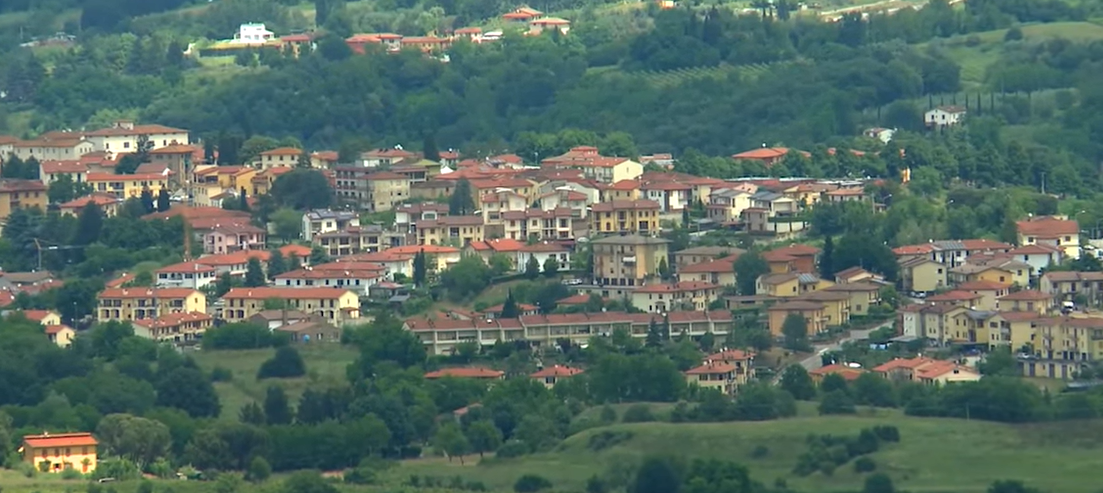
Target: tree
<point x="127" y="165"/>
<point x="254" y="273"/>
<point x="873" y="390"/>
<point x="429" y="148"/>
<point x="551" y="266"/>
<point x="509" y="308"/>
<point x="1004" y="486"/>
<point x="462" y="201"/>
<point x="223" y="285"/>
<point x="420" y="268"/>
<point x="286" y="363"/>
<point x="466" y="278"/>
<point x="451" y="440"/>
<point x="656" y="475"/>
<point x="500" y="263"/>
<point x="827" y="269"/>
<point x="999" y="362"/>
<point x="304" y="160"/>
<point x="836" y="402"/>
<point x="276" y="264"/>
<point x="140" y="440"/>
<point x="252" y="414"/>
<point x="62" y="189"/>
<point x="302" y="189"/>
<point x="276" y="409"/>
<point x="796" y="381"/>
<point x="879" y="483"/>
<point x="483" y="437"/>
<point x="532" y="268"/>
<point x="664" y="269"/>
<point x="147" y="200"/>
<point x="163" y="200"/>
<point x="795" y="331"/>
<point x="259" y="470"/>
<point x="89" y="225"/>
<point x="288" y="224"/>
<point x="748" y="268"/>
<point x="188" y="389"/>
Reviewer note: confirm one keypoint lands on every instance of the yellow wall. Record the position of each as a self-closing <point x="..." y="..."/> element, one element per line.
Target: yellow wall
<point x="127" y="188"/>
<point x="926" y="277"/>
<point x="61" y="457"/>
<point x="785" y="289"/>
<point x="238" y="310"/>
<point x="127" y="308"/>
<point x="385" y="194"/>
<point x="814" y="319"/>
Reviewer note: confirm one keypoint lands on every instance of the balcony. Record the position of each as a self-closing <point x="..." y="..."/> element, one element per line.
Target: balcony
<point x="630" y="260"/>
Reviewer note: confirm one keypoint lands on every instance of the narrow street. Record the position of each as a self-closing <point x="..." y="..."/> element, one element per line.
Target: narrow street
<point x="814" y="361"/>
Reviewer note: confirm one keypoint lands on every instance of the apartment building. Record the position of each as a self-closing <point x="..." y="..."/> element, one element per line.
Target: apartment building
<point x="321" y="221"/>
<point x="538" y="224"/>
<point x="450" y="230"/>
<point x="191" y="275"/>
<point x="286" y="157"/>
<point x="354" y="276"/>
<point x="127" y="304"/>
<point x="685" y="295"/>
<point x="128" y="186"/>
<point x="15" y="194"/>
<point x="627" y="261"/>
<point x="125" y="135"/>
<point x="594" y="166"/>
<point x="352" y="240"/>
<point x="336" y="306"/>
<point x="177" y="328"/>
<point x="625" y="216"/>
<point x="234" y="238"/>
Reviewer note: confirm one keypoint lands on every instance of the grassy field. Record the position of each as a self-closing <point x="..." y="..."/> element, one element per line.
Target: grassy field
<point x="975" y="58"/>
<point x="324" y="365"/>
<point x="934" y="454"/>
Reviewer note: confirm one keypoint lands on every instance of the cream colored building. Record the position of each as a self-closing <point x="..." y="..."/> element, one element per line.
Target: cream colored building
<point x="594" y="166"/>
<point x="386" y="190"/>
<point x="142" y="303"/>
<point x="622" y="263"/>
<point x="450" y="230"/>
<point x="627" y="216"/>
<point x="688" y="295"/>
<point x="124" y="136"/>
<point x="337" y="306"/>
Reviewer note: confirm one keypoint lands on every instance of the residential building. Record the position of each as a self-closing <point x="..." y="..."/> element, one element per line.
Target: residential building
<point x="124" y="136"/>
<point x="335" y="305"/>
<point x="442" y="335"/>
<point x="1085" y="287"/>
<point x="234" y="238"/>
<point x="856" y="274"/>
<point x="594" y="166"/>
<point x="720" y="272"/>
<point x="553" y="374"/>
<point x="923" y="275"/>
<point x="1027" y="300"/>
<point x="849" y="374"/>
<point x="235" y="264"/>
<point x="438" y="257"/>
<point x="793" y="258"/>
<point x="51" y="170"/>
<point x="381" y="157"/>
<point x="661" y="298"/>
<point x="768" y="156"/>
<point x="15" y="194"/>
<point x="812" y="312"/>
<point x="44" y="149"/>
<point x="789" y="284"/>
<point x="60" y="334"/>
<point x="320" y="221"/>
<point x="926" y="370"/>
<point x="743" y="362"/>
<point x="310" y="331"/>
<point x="697" y="255"/>
<point x="672" y="196"/>
<point x="177" y="328"/>
<point x="385" y="190"/>
<point x="354" y="276"/>
<point x="128" y="186"/>
<point x="495" y="204"/>
<point x="537" y="26"/>
<point x="623" y="190"/>
<point x="1039" y="256"/>
<point x="43" y="317"/>
<point x="714" y="375"/>
<point x="988" y="291"/>
<point x="108" y="204"/>
<point x="407" y="215"/>
<point x="284" y="157"/>
<point x="836" y="306"/>
<point x="450" y="230"/>
<point x="628" y="216"/>
<point x="564" y="197"/>
<point x="356" y="239"/>
<point x="944" y="116"/>
<point x="1056" y="232"/>
<point x="626" y="261"/>
<point x="848" y="194"/>
<point x="726" y="205"/>
<point x="774" y="213"/>
<point x="541" y="252"/>
<point x="952" y="253"/>
<point x="191" y="275"/>
<point x="180" y="159"/>
<point x="863" y="295"/>
<point x="980" y="272"/>
<point x="506" y="247"/>
<point x="56" y="452"/>
<point x="126" y="304"/>
<point x="539" y="225"/>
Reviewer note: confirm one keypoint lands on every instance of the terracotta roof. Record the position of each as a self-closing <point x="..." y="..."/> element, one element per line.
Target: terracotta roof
<point x="137" y="130"/>
<point x="56" y="329"/>
<point x="578" y="299"/>
<point x="851" y="272"/>
<point x="235" y="258"/>
<point x="465" y="373"/>
<point x="1048" y="227"/>
<point x="854" y="286"/>
<point x="676" y="287"/>
<point x="846" y="372"/>
<point x="64" y="166"/>
<point x="17" y="185"/>
<point x="731" y="355"/>
<point x="556" y="371"/>
<point x="414" y="249"/>
<point x="712" y="368"/>
<point x="176" y="149"/>
<point x="614" y="205"/>
<point x="911" y="363"/>
<point x="53" y="440"/>
<point x="172" y="320"/>
<point x="544" y="247"/>
<point x="1016" y="316"/>
<point x="95" y="177"/>
<point x="798" y="250"/>
<point x="982" y="285"/>
<point x="285" y="293"/>
<point x="953" y="296"/>
<point x="498" y="245"/>
<point x="1035" y="249"/>
<point x="1026" y="295"/>
<point x="913" y="249"/>
<point x="283" y="151"/>
<point x="37" y="315"/>
<point x="186" y="267"/>
<point x="1073" y="276"/>
<point x="133" y="293"/>
<point x="719" y="265"/>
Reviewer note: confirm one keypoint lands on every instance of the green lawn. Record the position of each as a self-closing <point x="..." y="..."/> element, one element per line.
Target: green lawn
<point x="325" y="365"/>
<point x="934" y="454"/>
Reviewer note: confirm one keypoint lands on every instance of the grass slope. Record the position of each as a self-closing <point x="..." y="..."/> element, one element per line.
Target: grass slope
<point x="325" y="365"/>
<point x="935" y="455"/>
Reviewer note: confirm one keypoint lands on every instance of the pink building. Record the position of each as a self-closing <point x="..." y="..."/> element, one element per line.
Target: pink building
<point x="233" y="238"/>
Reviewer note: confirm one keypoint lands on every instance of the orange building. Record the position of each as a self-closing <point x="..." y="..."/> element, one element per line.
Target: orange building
<point x="57" y="452"/>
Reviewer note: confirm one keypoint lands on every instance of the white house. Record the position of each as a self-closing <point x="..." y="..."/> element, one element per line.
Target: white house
<point x="323" y="221"/>
<point x="882" y="134"/>
<point x="1039" y="256"/>
<point x="252" y="33"/>
<point x="542" y="251"/>
<point x="186" y="275"/>
<point x="944" y="116"/>
<point x="123" y="136"/>
<point x="356" y="280"/>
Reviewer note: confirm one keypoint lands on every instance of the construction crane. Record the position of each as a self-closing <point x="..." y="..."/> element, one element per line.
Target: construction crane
<point x="39" y="248"/>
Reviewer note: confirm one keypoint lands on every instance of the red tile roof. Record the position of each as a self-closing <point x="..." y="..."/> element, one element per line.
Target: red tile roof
<point x="64" y="166"/>
<point x="844" y="371"/>
<point x="498" y="245"/>
<point x="235" y="258"/>
<point x="186" y="267"/>
<point x="465" y="373"/>
<point x="428" y="249"/>
<point x="1048" y="227"/>
<point x="37" y="315"/>
<point x="712" y="368"/>
<point x="982" y="285"/>
<point x="953" y="296"/>
<point x="731" y="355"/>
<point x="137" y="130"/>
<point x="263" y="293"/>
<point x="172" y="320"/>
<point x="54" y="440"/>
<point x="676" y="287"/>
<point x="133" y="293"/>
<point x="1026" y="295"/>
<point x="283" y="151"/>
<point x="557" y="371"/>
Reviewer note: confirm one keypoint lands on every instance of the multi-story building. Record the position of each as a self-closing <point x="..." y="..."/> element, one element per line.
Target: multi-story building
<point x="1073" y="285"/>
<point x="335" y="305"/>
<point x="283" y="157"/>
<point x="57" y="147"/>
<point x="688" y="295"/>
<point x="178" y="328"/>
<point x="772" y="212"/>
<point x="629" y="216"/>
<point x="672" y="196"/>
<point x="124" y="136"/>
<point x="594" y="166"/>
<point x="371" y="189"/>
<point x="726" y="205"/>
<point x="554" y="374"/>
<point x="234" y="238"/>
<point x="812" y="312"/>
<point x="541" y="252"/>
<point x="450" y="230"/>
<point x="128" y="186"/>
<point x="56" y="452"/>
<point x="442" y="335"/>
<point x="141" y="303"/>
<point x="714" y="375"/>
<point x="180" y="159"/>
<point x="697" y="255"/>
<point x="352" y="240"/>
<point x="407" y="215"/>
<point x="234" y="264"/>
<point x="625" y="262"/>
<point x="15" y="194"/>
<point x="191" y="275"/>
<point x="1056" y="232"/>
<point x="52" y="170"/>
<point x="540" y="225"/>
<point x="320" y="221"/>
<point x="354" y="276"/>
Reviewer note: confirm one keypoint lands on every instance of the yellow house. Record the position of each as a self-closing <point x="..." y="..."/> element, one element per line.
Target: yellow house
<point x="716" y="375"/>
<point x="989" y="292"/>
<point x="947" y="323"/>
<point x="386" y="190"/>
<point x="108" y="204"/>
<point x="1056" y="232"/>
<point x="626" y="261"/>
<point x="287" y="157"/>
<point x="450" y="230"/>
<point x="124" y="135"/>
<point x="62" y="335"/>
<point x="789" y="284"/>
<point x="624" y="190"/>
<point x="56" y="452"/>
<point x="1013" y="329"/>
<point x="923" y="275"/>
<point x="1027" y="300"/>
<point x="335" y="305"/>
<point x="43" y="317"/>
<point x="720" y="271"/>
<point x="863" y="295"/>
<point x="836" y="306"/>
<point x="128" y="186"/>
<point x="15" y="194"/>
<point x="594" y="166"/>
<point x="143" y="303"/>
<point x="970" y="272"/>
<point x="812" y="312"/>
<point x="438" y="258"/>
<point x="625" y="216"/>
<point x="553" y="374"/>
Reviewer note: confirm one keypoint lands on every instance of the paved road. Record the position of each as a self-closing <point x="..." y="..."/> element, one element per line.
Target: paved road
<point x="813" y="362"/>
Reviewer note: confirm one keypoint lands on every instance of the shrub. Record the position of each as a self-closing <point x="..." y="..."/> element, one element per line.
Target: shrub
<point x="760" y="451"/>
<point x="220" y="374"/>
<point x="639" y="413"/>
<point x="70" y="473"/>
<point x="864" y="464"/>
<point x="608" y="414"/>
<point x="512" y="448"/>
<point x="259" y="470"/>
<point x="146" y="486"/>
<point x="680" y="414"/>
<point x="887" y="433"/>
<point x="596" y="485"/>
<point x="287" y="363"/>
<point x="530" y="483"/>
<point x="27" y="470"/>
<point x="475" y="486"/>
<point x="360" y="475"/>
<point x="606" y="439"/>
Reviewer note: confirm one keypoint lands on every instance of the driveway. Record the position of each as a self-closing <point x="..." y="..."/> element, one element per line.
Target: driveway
<point x="813" y="362"/>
